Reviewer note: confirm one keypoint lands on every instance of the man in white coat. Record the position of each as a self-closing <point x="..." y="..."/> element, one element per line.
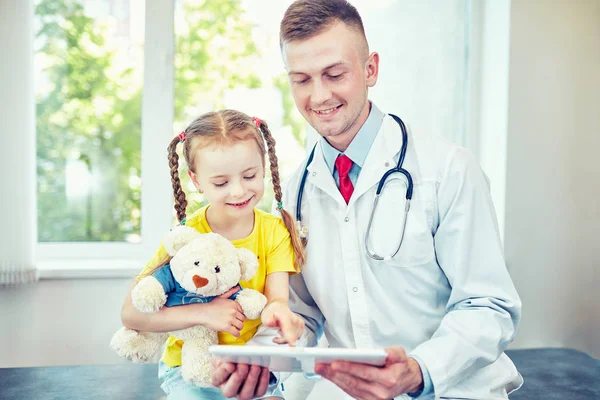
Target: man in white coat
<point x="444" y="305"/>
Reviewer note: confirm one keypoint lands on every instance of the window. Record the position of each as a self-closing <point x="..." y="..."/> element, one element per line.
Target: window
<point x="424" y="57"/>
<point x="89" y="59"/>
<point x="227" y="56"/>
<point x="108" y="105"/>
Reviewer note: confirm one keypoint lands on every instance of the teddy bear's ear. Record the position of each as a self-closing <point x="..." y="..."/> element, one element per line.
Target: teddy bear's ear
<point x="248" y="263"/>
<point x="179" y="237"/>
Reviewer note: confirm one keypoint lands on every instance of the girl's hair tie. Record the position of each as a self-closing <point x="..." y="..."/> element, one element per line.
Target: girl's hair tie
<point x="182" y="137"/>
<point x="257" y="121"/>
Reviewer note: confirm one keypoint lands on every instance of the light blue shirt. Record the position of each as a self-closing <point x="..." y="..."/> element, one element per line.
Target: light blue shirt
<point x="357" y="151"/>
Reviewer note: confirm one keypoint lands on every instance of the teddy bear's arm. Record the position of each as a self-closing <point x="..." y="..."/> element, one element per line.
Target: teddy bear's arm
<point x="149" y="295"/>
<point x="252" y="302"/>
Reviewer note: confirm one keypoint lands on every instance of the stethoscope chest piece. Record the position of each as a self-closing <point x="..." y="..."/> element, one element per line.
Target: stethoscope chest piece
<point x="302" y="230"/>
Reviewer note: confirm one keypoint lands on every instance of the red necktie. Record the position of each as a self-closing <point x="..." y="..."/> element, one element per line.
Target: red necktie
<point x="343" y="165"/>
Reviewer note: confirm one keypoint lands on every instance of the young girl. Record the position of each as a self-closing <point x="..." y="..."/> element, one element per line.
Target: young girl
<point x="225" y="155"/>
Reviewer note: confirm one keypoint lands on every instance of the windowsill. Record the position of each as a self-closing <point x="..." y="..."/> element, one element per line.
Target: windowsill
<point x="88" y="269"/>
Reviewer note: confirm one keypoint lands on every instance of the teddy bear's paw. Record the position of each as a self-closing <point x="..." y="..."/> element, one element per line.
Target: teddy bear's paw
<point x="137" y="347"/>
<point x="148" y="296"/>
<point x="252" y="302"/>
<point x="199" y="375"/>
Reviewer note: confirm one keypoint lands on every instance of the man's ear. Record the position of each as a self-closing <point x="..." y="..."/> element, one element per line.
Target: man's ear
<point x="248" y="263"/>
<point x="179" y="237"/>
<point x="372" y="69"/>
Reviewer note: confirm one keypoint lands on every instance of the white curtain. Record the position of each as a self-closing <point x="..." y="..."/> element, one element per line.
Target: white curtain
<point x="18" y="206"/>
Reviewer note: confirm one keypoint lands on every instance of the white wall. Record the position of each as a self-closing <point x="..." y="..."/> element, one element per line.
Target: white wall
<point x="488" y="101"/>
<point x="553" y="179"/>
<point x="60" y="322"/>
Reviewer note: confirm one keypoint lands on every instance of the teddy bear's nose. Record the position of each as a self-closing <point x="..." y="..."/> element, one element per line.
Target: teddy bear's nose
<point x="199" y="281"/>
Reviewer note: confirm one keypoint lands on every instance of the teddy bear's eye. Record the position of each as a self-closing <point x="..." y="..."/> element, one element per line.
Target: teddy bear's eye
<point x="196" y="262"/>
<point x="217" y="269"/>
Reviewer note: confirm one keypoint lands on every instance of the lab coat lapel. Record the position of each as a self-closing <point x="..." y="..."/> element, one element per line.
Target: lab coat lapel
<point x="381" y="157"/>
<point x="320" y="176"/>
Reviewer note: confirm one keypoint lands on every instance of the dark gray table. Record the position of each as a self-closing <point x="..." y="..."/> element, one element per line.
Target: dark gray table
<point x="556" y="374"/>
<point x="550" y="374"/>
<point x="97" y="382"/>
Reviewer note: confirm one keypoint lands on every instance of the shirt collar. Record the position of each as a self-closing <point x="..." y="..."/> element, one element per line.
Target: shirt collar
<point x="359" y="148"/>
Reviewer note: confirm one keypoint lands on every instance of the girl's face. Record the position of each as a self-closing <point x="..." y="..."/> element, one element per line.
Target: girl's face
<point x="230" y="176"/>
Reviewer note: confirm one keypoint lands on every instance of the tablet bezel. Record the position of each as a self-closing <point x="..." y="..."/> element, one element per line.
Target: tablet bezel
<point x="295" y="359"/>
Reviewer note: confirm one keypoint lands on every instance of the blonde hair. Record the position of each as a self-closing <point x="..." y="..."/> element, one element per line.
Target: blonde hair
<point x="226" y="127"/>
<point x="150" y="270"/>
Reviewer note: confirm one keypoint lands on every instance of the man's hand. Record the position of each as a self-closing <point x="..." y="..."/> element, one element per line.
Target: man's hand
<point x="291" y="326"/>
<point x="400" y="375"/>
<point x="242" y="381"/>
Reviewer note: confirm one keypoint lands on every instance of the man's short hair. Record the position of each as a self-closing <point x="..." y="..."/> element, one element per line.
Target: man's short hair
<point x="307" y="18"/>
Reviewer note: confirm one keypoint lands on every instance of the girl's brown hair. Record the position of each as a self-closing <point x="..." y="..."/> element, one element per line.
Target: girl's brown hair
<point x="226" y="127"/>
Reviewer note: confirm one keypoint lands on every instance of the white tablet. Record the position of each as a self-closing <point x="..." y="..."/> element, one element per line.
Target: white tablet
<point x="295" y="359"/>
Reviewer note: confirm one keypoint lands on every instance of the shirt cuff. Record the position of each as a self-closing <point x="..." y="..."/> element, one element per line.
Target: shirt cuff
<point x="311" y="376"/>
<point x="427" y="383"/>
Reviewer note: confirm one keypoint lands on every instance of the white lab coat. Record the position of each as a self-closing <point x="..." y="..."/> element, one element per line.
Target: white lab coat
<point x="446" y="297"/>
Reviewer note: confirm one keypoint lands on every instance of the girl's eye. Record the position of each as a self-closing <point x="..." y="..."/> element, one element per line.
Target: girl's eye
<point x="335" y="77"/>
<point x="250" y="177"/>
<point x="301" y="82"/>
<point x="220" y="184"/>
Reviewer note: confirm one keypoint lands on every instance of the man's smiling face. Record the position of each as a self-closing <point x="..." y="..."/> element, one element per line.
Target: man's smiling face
<point x="330" y="74"/>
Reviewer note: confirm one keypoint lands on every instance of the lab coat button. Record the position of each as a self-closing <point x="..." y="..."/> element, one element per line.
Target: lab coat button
<point x="346" y="219"/>
<point x="314" y="174"/>
<point x="355" y="289"/>
<point x="387" y="164"/>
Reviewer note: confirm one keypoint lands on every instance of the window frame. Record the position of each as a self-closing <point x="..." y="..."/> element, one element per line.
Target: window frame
<point x="157" y="121"/>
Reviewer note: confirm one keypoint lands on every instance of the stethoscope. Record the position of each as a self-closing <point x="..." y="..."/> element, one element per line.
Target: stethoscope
<point x="303" y="230"/>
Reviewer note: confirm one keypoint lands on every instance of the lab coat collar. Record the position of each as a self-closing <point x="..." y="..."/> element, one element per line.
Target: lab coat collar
<point x="320" y="176"/>
<point x="382" y="157"/>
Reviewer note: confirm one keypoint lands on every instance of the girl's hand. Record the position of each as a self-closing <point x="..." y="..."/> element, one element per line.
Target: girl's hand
<point x="222" y="314"/>
<point x="278" y="314"/>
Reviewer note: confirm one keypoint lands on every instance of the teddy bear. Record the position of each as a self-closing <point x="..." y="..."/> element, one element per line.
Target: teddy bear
<point x="203" y="266"/>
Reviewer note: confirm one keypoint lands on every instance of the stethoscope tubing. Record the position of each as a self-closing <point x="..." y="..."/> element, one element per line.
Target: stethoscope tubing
<point x="398" y="169"/>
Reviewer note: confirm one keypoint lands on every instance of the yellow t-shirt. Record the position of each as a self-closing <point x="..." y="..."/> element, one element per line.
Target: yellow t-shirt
<point x="269" y="240"/>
